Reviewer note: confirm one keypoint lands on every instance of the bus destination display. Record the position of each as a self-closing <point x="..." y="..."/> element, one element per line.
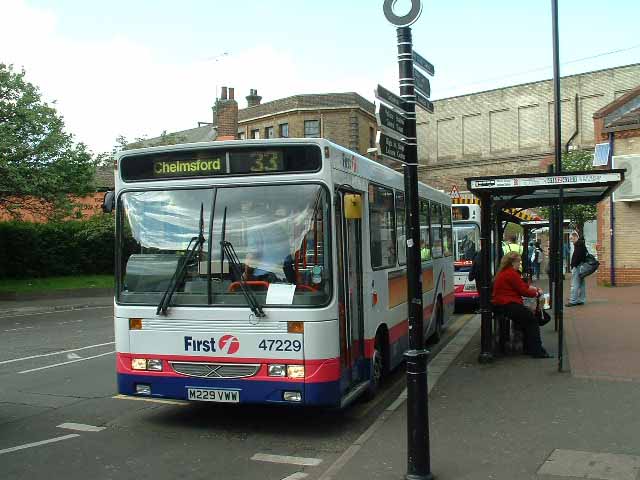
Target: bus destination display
<point x="213" y="163"/>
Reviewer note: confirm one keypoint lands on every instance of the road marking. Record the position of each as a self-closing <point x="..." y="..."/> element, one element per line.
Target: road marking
<point x="296" y="476"/>
<point x="66" y="363"/>
<point x="55" y="353"/>
<point x="305" y="462"/>
<point x="37" y="444"/>
<point x="18" y="329"/>
<point x="467" y="332"/>
<point x="152" y="400"/>
<point x="80" y="427"/>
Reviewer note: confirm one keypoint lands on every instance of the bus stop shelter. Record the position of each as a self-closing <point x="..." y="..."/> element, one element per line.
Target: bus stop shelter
<point x="529" y="191"/>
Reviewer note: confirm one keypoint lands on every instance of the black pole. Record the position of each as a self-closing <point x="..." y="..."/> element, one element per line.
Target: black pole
<point x="486" y="333"/>
<point x="558" y="157"/>
<point x="418" y="455"/>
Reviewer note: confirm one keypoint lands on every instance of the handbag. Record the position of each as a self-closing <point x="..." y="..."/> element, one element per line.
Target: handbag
<point x="587" y="267"/>
<point x="541" y="315"/>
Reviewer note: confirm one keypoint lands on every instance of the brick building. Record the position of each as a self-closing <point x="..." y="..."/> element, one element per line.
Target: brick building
<point x="618" y="124"/>
<point x="344" y="118"/>
<point x="510" y="130"/>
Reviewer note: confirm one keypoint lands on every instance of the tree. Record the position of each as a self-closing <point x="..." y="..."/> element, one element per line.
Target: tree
<point x="577" y="160"/>
<point x="38" y="159"/>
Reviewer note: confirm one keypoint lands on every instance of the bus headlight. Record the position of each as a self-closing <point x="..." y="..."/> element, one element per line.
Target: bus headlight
<point x="138" y="364"/>
<point x="295" y="371"/>
<point x="277" y="370"/>
<point x="154" y="364"/>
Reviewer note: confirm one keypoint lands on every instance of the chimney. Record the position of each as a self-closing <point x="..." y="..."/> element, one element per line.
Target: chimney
<point x="253" y="99"/>
<point x="225" y="116"/>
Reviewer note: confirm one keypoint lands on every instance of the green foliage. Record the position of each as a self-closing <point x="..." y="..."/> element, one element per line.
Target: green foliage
<point x="30" y="250"/>
<point x="37" y="158"/>
<point x="577" y="160"/>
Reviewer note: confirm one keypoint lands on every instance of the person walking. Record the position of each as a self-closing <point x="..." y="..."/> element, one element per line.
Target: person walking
<point x="538" y="257"/>
<point x="508" y="290"/>
<point x="578" y="287"/>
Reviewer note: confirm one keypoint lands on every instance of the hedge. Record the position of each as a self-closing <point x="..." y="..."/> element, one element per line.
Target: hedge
<point x="29" y="250"/>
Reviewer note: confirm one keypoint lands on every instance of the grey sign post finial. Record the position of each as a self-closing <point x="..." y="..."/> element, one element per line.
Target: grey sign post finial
<point x="404" y="20"/>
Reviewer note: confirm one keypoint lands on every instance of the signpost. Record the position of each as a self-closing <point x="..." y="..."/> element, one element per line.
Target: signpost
<point x="392" y="148"/>
<point x="414" y="90"/>
<point x="390" y="119"/>
<point x="424" y="103"/>
<point x="423" y="63"/>
<point x="422" y="84"/>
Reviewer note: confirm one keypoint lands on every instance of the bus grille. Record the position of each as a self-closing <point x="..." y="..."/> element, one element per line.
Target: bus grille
<point x="215" y="370"/>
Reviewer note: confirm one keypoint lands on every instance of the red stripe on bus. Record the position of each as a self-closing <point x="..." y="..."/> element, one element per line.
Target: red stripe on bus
<point x="322" y="370"/>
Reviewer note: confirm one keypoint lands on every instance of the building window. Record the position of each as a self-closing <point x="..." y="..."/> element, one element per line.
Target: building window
<point x="372" y="137"/>
<point x="284" y="130"/>
<point x="268" y="132"/>
<point x="241" y="135"/>
<point x="255" y="133"/>
<point x="312" y="128"/>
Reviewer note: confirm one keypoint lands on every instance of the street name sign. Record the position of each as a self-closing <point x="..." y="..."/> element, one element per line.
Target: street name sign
<point x="422" y="84"/>
<point x="424" y="103"/>
<point x="391" y="119"/>
<point x="390" y="98"/>
<point x="423" y="63"/>
<point x="392" y="147"/>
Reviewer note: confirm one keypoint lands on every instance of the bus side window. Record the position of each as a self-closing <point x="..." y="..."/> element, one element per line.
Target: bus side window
<point x="425" y="236"/>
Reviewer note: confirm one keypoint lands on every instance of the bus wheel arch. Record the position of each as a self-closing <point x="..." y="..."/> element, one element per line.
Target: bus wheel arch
<point x="439" y="319"/>
<point x="379" y="360"/>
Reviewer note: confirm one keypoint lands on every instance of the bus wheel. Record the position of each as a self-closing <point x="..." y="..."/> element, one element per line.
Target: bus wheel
<point x="377" y="368"/>
<point x="437" y="334"/>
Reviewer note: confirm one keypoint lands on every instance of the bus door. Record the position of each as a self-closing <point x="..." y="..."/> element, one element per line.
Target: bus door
<point x="351" y="318"/>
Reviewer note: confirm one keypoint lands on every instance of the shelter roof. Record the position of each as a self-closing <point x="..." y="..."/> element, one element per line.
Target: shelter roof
<point x="541" y="189"/>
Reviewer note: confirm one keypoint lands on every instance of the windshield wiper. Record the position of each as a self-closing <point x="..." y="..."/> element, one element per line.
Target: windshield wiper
<point x="181" y="270"/>
<point x="231" y="254"/>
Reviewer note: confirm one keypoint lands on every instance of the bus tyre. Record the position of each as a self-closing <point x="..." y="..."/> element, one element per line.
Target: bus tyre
<point x="377" y="368"/>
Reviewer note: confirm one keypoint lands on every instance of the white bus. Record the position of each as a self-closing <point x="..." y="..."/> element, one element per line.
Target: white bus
<point x="267" y="271"/>
<point x="466" y="241"/>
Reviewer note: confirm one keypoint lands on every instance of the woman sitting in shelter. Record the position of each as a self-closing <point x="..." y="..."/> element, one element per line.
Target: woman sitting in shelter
<point x="508" y="290"/>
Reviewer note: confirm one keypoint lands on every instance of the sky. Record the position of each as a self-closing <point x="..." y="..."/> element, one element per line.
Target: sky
<point x="139" y="67"/>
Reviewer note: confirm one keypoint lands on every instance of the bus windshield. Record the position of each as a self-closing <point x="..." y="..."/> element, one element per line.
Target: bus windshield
<point x="279" y="234"/>
<point x="466" y="240"/>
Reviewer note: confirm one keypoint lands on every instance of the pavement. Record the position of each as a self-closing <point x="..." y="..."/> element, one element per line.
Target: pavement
<point x="516" y="418"/>
<point x="71" y="300"/>
<point x="519" y="418"/>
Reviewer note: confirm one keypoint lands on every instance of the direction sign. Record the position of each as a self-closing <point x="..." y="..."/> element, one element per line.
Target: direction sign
<point x="423" y="63"/>
<point x="389" y="118"/>
<point x="422" y="84"/>
<point x="392" y="99"/>
<point x="392" y="148"/>
<point x="424" y="103"/>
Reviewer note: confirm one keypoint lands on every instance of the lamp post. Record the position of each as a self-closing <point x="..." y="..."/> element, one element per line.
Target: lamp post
<point x="418" y="456"/>
<point x="559" y="217"/>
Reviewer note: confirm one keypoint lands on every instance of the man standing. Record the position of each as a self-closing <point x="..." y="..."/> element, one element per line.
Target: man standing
<point x="578" y="287"/>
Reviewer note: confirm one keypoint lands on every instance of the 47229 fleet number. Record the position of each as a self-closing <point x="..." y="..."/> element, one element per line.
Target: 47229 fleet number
<point x="270" y="345"/>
